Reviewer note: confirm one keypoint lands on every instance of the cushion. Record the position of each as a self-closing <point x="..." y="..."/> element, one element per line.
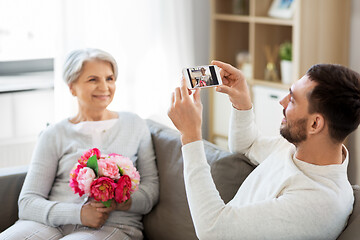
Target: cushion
<point x="229" y="173"/>
<point x="171" y="216"/>
<point x="352" y="231"/>
<point x="11" y="183"/>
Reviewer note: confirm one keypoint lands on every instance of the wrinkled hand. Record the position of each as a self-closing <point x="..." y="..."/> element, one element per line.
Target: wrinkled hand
<point x="124" y="206"/>
<point x="94" y="214"/>
<point x="91" y="217"/>
<point x="234" y="85"/>
<point x="186" y="114"/>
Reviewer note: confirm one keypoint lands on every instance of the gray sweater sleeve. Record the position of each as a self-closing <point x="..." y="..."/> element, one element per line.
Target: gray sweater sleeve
<point x="33" y="200"/>
<point x="147" y="195"/>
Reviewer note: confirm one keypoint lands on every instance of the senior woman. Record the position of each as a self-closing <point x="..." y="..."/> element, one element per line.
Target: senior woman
<point x="48" y="209"/>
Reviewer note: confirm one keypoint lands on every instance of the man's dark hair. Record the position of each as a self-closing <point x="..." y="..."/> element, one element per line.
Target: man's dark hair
<point x="337" y="97"/>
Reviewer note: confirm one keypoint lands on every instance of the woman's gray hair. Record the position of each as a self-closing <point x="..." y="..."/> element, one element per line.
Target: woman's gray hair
<point x="75" y="61"/>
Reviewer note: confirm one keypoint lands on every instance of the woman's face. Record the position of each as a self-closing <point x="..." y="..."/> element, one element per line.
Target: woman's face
<point x="95" y="86"/>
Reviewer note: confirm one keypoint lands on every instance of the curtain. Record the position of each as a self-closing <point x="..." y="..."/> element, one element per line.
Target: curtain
<point x="150" y="40"/>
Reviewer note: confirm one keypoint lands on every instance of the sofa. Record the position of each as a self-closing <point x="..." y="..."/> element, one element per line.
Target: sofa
<point x="170" y="218"/>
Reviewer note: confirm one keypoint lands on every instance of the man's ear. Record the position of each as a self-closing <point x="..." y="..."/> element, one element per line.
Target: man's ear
<point x="316" y="123"/>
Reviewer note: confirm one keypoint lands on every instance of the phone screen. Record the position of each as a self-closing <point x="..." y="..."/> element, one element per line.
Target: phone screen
<point x="203" y="76"/>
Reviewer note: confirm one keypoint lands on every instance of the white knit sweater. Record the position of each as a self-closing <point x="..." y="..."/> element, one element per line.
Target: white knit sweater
<point x="46" y="196"/>
<point x="283" y="198"/>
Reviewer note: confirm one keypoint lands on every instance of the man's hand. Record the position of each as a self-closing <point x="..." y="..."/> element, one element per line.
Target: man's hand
<point x="186" y="114"/>
<point x="234" y="85"/>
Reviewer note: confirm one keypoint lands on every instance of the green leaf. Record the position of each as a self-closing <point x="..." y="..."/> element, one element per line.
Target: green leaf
<point x="107" y="203"/>
<point x="93" y="164"/>
<point x="285" y="51"/>
<point x="121" y="171"/>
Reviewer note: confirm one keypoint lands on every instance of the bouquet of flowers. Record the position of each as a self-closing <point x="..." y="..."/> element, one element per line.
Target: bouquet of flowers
<point x="104" y="177"/>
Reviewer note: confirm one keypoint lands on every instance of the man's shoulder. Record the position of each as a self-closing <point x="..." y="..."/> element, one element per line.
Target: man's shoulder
<point x="323" y="191"/>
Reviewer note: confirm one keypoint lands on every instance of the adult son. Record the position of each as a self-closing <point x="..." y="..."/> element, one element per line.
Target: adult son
<point x="300" y="188"/>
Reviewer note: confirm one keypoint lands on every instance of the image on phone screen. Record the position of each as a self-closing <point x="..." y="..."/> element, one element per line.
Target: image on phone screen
<point x="203" y="76"/>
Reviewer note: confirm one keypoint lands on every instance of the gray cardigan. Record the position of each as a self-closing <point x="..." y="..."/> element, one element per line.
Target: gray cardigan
<point x="46" y="196"/>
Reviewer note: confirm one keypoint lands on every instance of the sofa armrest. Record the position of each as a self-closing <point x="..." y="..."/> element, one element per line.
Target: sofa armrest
<point x="11" y="181"/>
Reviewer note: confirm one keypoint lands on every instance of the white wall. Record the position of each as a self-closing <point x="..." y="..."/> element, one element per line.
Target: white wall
<point x="354" y="139"/>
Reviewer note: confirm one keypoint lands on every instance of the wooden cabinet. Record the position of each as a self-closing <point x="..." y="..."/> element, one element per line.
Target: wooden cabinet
<point x="318" y="31"/>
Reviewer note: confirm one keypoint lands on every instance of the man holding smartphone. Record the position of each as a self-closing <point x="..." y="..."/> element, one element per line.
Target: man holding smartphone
<point x="300" y="188"/>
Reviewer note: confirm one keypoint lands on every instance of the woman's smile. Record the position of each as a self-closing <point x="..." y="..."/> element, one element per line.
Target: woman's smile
<point x="101" y="96"/>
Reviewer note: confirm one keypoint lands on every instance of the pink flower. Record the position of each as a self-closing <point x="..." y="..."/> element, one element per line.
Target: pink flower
<point x="127" y="167"/>
<point x="102" y="189"/>
<point x="91" y="152"/>
<point x="122" y="191"/>
<point x="85" y="178"/>
<point x="108" y="168"/>
<point x="108" y="177"/>
<point x="115" y="154"/>
<point x="73" y="180"/>
<point x="135" y="180"/>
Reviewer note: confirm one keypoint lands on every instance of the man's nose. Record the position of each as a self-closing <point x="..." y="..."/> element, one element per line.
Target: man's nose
<point x="284" y="102"/>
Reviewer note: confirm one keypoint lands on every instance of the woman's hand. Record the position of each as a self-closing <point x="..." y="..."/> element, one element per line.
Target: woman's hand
<point x="234" y="85"/>
<point x="114" y="206"/>
<point x="94" y="214"/>
<point x="186" y="114"/>
<point x="124" y="206"/>
<point x="92" y="217"/>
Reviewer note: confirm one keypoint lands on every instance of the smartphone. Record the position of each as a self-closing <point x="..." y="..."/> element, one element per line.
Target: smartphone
<point x="202" y="76"/>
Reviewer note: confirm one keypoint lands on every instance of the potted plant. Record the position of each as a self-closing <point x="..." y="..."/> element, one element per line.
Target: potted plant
<point x="285" y="53"/>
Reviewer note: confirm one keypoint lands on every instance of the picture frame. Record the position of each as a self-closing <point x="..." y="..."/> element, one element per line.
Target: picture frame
<point x="282" y="9"/>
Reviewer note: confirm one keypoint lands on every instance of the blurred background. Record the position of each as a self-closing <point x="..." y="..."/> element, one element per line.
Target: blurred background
<point x="152" y="40"/>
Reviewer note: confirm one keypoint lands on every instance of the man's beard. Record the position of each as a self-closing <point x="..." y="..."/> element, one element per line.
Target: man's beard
<point x="294" y="132"/>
